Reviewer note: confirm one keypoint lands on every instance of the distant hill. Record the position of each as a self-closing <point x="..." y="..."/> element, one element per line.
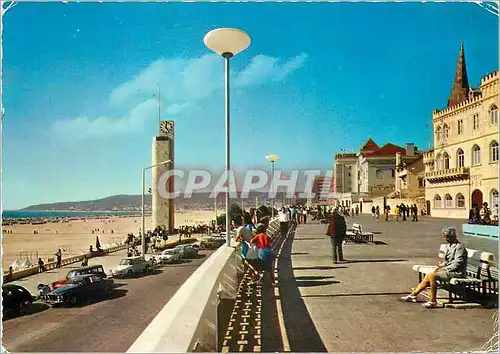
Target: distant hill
<point x="124" y="202"/>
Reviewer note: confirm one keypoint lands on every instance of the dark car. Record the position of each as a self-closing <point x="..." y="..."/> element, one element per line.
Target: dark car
<point x="15" y="298"/>
<point x="79" y="289"/>
<point x="95" y="269"/>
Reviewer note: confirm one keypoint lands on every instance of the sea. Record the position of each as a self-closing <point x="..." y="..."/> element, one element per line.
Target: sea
<point x="18" y="214"/>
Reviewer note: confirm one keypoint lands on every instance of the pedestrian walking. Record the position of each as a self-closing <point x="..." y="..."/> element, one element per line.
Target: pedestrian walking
<point x="337" y="229"/>
<point x="284" y="220"/>
<point x="58" y="258"/>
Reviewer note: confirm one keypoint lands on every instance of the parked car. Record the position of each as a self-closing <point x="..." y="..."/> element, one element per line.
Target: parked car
<point x="130" y="266"/>
<point x="212" y="243"/>
<point x="79" y="289"/>
<point x="14" y="299"/>
<point x="95" y="269"/>
<point x="172" y="255"/>
<point x="187" y="251"/>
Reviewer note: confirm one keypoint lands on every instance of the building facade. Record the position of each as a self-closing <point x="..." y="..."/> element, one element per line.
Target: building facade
<point x="462" y="169"/>
<point x="410" y="178"/>
<point x="370" y="173"/>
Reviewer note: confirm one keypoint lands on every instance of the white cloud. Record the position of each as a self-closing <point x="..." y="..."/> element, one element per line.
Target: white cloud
<point x="183" y="83"/>
<point x="103" y="127"/>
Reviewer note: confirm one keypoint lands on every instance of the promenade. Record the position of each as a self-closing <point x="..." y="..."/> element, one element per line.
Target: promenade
<point x="354" y="307"/>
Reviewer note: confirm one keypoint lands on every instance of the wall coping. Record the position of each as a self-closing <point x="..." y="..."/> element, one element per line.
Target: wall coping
<point x="174" y="327"/>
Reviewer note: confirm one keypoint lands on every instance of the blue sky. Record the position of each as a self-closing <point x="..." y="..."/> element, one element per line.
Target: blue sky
<point x="317" y="77"/>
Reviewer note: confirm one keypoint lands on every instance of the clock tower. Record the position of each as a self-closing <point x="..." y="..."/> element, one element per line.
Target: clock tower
<point x="163" y="150"/>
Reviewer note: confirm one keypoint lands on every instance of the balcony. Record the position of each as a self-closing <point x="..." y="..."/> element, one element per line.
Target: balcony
<point x="448" y="175"/>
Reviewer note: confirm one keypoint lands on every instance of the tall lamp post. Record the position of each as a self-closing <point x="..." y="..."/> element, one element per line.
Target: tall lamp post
<point x="272" y="158"/>
<point x="227" y="42"/>
<point x="143" y="221"/>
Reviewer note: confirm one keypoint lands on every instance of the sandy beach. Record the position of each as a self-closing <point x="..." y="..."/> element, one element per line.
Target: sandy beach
<point x="75" y="237"/>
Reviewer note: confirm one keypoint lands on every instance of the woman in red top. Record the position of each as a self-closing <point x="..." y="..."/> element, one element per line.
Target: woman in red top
<point x="265" y="251"/>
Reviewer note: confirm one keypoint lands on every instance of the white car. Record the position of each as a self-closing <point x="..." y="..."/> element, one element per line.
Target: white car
<point x="130" y="266"/>
<point x="170" y="256"/>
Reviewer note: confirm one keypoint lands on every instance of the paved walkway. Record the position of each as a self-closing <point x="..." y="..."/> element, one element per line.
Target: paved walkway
<point x="30" y="283"/>
<point x="354" y="307"/>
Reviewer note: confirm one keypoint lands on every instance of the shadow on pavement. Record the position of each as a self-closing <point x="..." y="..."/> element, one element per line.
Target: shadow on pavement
<point x="380" y="243"/>
<point x="310" y="239"/>
<point x="311" y="283"/>
<point x="300" y="254"/>
<point x="374" y="260"/>
<point x="35" y="308"/>
<point x="300" y="329"/>
<point x="319" y="268"/>
<point x="314" y="277"/>
<point x="347" y="295"/>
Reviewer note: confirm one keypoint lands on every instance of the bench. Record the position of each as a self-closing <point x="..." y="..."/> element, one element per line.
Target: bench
<point x="481" y="283"/>
<point x="356" y="234"/>
<point x="480" y="230"/>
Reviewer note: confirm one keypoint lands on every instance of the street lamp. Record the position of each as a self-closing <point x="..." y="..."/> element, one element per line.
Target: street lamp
<point x="227" y="42"/>
<point x="272" y="158"/>
<point x="143" y="221"/>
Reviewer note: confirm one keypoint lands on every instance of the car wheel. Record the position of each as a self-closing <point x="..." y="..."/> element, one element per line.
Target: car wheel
<point x="130" y="273"/>
<point x="73" y="300"/>
<point x="147" y="269"/>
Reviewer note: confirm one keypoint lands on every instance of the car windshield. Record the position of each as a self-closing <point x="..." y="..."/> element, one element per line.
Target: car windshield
<point x="126" y="262"/>
<point x="77" y="281"/>
<point x="72" y="274"/>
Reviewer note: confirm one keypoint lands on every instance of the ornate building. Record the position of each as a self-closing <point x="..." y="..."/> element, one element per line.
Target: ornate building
<point x="462" y="169"/>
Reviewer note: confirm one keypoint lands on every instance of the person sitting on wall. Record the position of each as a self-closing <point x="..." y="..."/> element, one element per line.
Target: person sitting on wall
<point x="41" y="265"/>
<point x="454" y="266"/>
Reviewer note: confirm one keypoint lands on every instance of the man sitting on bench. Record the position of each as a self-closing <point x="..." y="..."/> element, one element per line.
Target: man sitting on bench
<point x="454" y="266"/>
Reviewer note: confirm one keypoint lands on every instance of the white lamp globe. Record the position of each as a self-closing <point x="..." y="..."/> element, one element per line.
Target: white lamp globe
<point x="227" y="41"/>
<point x="272" y="157"/>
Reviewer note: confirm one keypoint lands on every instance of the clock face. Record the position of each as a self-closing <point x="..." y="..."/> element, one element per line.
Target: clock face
<point x="167" y="128"/>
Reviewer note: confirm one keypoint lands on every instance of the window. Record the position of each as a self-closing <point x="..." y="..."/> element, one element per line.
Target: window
<point x="475" y="119"/>
<point x="448" y="201"/>
<point x="460" y="201"/>
<point x="438" y="133"/>
<point x="460" y="127"/>
<point x="437" y="202"/>
<point x="460" y="158"/>
<point x="494" y="151"/>
<point x="421" y="183"/>
<point x="445" y="132"/>
<point x="493" y="198"/>
<point x="494" y="114"/>
<point x="476" y="155"/>
<point x="446" y="161"/>
<point x="439" y="162"/>
<point x="393" y="172"/>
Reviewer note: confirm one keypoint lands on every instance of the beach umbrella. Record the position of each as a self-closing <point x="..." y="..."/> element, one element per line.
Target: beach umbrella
<point x="97" y="243"/>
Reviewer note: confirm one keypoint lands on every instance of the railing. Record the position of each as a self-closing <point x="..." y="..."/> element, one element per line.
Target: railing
<point x="451" y="172"/>
<point x="188" y="321"/>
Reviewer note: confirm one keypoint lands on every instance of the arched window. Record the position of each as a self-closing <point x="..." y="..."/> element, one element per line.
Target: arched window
<point x="439" y="162"/>
<point x="460" y="200"/>
<point x="476" y="155"/>
<point x="493" y="198"/>
<point x="446" y="161"/>
<point x="437" y="202"/>
<point x="494" y="114"/>
<point x="448" y="201"/>
<point x="445" y="132"/>
<point x="460" y="158"/>
<point x="494" y="151"/>
<point x="438" y="134"/>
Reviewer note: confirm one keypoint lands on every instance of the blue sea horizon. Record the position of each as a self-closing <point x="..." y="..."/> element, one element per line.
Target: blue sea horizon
<point x="20" y="214"/>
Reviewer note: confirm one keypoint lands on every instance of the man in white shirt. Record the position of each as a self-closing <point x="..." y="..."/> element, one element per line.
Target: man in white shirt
<point x="284" y="220"/>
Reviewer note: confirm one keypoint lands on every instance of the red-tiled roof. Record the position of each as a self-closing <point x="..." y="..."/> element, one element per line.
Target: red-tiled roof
<point x="387" y="150"/>
<point x="370" y="145"/>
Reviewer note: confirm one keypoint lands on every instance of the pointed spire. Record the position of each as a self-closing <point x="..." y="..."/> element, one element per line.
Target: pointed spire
<point x="460" y="89"/>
